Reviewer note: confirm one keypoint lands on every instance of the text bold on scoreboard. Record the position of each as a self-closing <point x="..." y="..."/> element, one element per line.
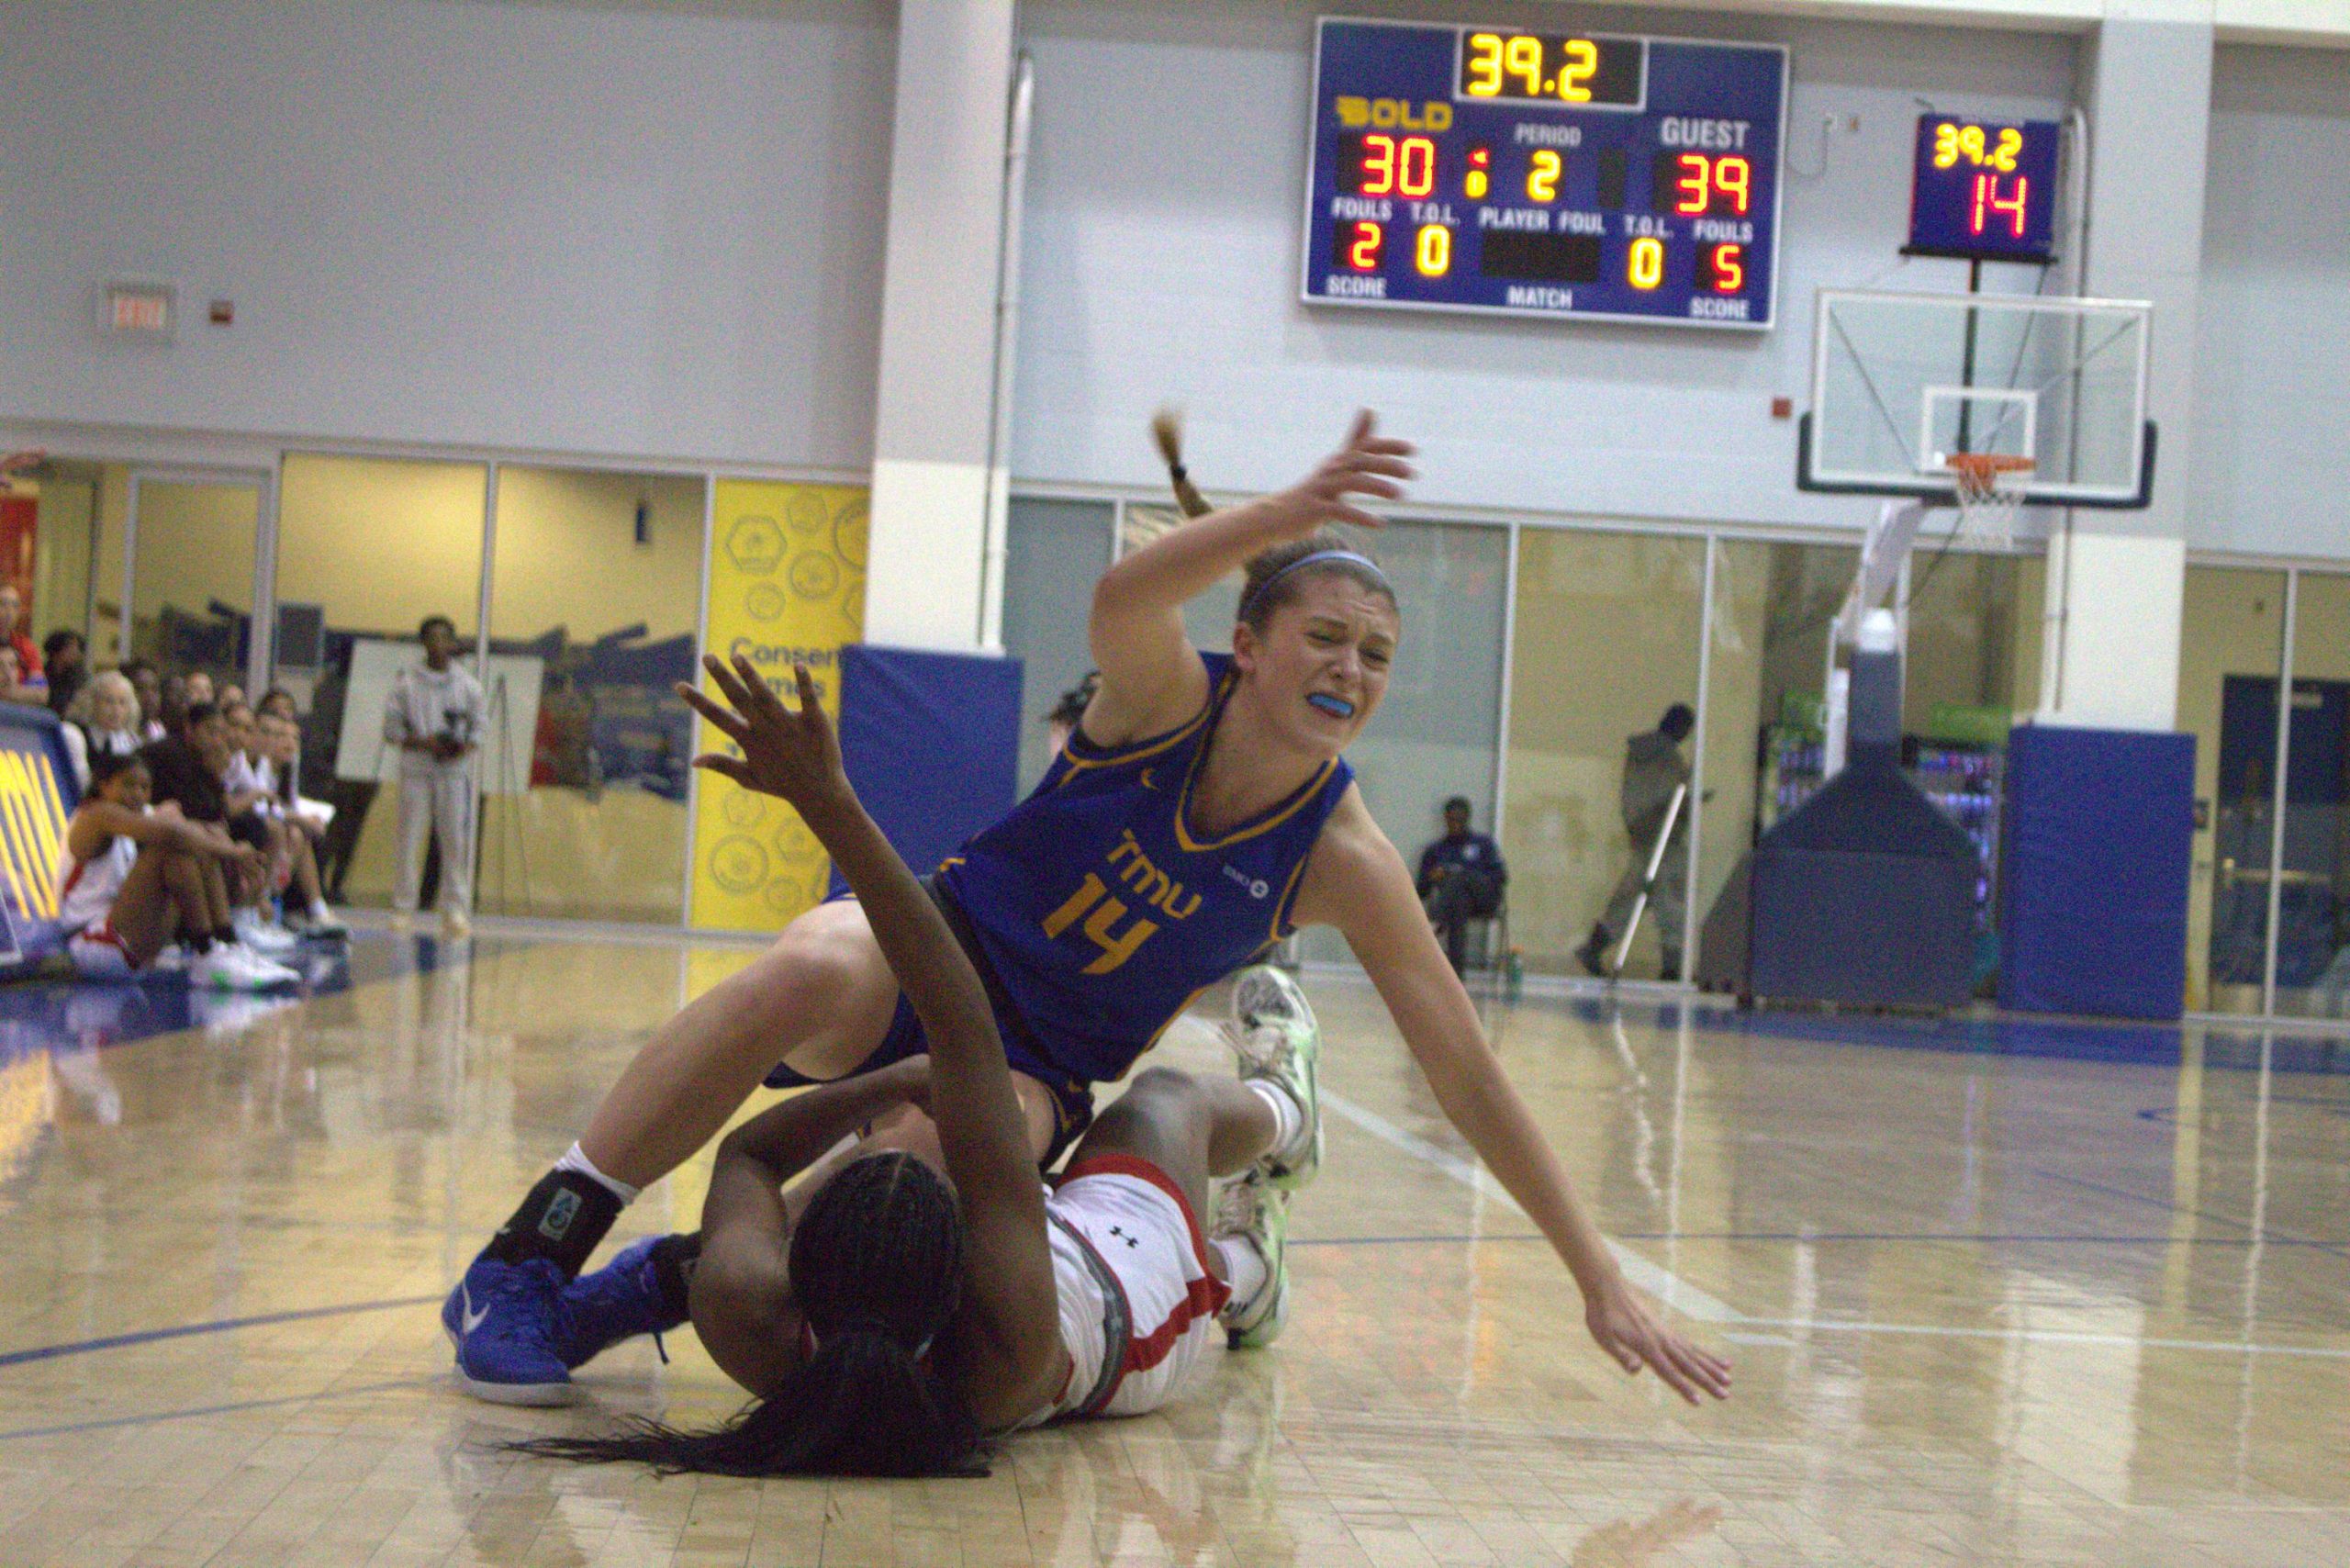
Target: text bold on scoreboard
<point x="1492" y="169"/>
<point x="1982" y="190"/>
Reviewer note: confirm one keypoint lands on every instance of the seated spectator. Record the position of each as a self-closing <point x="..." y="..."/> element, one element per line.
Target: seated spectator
<point x="101" y="719"/>
<point x="250" y="786"/>
<point x="135" y="880"/>
<point x="1462" y="879"/>
<point x="105" y="714"/>
<point x="171" y="707"/>
<point x="279" y="702"/>
<point x="12" y="632"/>
<point x="147" y="682"/>
<point x="187" y="767"/>
<point x="280" y="746"/>
<point x="198" y="683"/>
<point x="13" y="686"/>
<point x="189" y="770"/>
<point x="65" y="661"/>
<point x="232" y="695"/>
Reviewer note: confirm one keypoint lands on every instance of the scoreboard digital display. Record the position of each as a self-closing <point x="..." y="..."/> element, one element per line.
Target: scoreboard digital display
<point x="1544" y="173"/>
<point x="1984" y="191"/>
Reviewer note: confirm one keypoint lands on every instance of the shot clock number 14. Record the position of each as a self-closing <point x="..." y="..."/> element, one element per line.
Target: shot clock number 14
<point x="1984" y="192"/>
<point x="1470" y="168"/>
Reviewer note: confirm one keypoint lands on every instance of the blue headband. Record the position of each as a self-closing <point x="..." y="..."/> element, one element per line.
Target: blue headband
<point x="1365" y="562"/>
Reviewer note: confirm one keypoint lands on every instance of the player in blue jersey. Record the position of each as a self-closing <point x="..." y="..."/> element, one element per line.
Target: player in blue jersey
<point x="1203" y="809"/>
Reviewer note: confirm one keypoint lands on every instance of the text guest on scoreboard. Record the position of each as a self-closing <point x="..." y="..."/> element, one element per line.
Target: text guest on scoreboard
<point x="1470" y="168"/>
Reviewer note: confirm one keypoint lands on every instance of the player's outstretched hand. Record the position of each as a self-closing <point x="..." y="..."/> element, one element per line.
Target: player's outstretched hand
<point x="1628" y="1331"/>
<point x="792" y="754"/>
<point x="1368" y="464"/>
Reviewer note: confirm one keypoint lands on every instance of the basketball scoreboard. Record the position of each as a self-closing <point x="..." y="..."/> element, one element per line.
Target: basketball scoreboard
<point x="1984" y="191"/>
<point x="1544" y="173"/>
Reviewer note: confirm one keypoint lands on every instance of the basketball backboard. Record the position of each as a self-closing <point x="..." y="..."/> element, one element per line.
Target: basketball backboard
<point x="1901" y="382"/>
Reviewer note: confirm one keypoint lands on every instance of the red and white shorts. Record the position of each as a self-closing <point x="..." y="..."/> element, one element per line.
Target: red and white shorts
<point x="1137" y="1299"/>
<point x="98" y="953"/>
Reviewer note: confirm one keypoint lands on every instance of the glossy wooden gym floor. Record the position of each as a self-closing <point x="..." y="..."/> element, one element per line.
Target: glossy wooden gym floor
<point x="1998" y="1294"/>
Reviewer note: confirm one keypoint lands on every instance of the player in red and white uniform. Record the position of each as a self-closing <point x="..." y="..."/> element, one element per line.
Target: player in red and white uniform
<point x="135" y="878"/>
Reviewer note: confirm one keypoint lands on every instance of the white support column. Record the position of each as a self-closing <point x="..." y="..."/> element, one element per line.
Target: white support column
<point x="2120" y="575"/>
<point x="937" y="379"/>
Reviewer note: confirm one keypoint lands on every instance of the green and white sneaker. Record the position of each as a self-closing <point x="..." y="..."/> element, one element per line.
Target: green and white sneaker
<point x="1253" y="1210"/>
<point x="1276" y="1037"/>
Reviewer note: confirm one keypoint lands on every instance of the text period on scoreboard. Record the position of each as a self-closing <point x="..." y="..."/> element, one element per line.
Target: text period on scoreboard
<point x="1496" y="170"/>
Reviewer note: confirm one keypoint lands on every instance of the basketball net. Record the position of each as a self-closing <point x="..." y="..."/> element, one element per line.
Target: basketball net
<point x="1990" y="487"/>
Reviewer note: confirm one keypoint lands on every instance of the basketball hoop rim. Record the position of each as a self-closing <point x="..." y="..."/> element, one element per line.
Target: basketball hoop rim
<point x="1980" y="475"/>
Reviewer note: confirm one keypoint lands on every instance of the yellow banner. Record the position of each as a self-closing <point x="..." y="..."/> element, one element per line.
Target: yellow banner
<point x="787" y="582"/>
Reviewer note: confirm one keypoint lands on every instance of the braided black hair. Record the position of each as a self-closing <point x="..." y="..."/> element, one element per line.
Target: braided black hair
<point x="877" y="1267"/>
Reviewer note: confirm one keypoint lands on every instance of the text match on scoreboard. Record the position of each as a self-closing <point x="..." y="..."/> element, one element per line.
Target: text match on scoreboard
<point x="1492" y="169"/>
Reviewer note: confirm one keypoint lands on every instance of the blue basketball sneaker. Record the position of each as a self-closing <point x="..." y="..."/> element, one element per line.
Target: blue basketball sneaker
<point x="618" y="1302"/>
<point x="505" y="1321"/>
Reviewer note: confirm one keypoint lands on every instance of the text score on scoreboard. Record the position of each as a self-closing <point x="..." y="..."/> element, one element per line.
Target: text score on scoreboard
<point x="1517" y="172"/>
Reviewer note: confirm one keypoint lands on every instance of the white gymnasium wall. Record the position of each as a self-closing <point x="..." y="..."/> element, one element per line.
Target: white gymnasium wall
<point x="2273" y="350"/>
<point x="576" y="229"/>
<point x="656" y="232"/>
<point x="1161" y="263"/>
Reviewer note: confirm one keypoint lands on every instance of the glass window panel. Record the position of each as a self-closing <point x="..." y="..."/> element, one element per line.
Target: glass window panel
<point x="374" y="545"/>
<point x="2231" y="649"/>
<point x="1057" y="552"/>
<point x="64" y="548"/>
<point x="1208" y="617"/>
<point x="1606" y="639"/>
<point x="1437" y="730"/>
<point x="1973" y="638"/>
<point x="192" y="576"/>
<point x="114" y="515"/>
<point x="2313" y="915"/>
<point x="1773" y="606"/>
<point x="1436" y="733"/>
<point x="1972" y="666"/>
<point x="595" y="611"/>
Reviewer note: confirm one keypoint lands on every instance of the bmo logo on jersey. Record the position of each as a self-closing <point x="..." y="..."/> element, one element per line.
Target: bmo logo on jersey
<point x="1257" y="887"/>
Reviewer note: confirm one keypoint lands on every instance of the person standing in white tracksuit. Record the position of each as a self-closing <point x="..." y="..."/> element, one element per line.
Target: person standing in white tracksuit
<point x="434" y="717"/>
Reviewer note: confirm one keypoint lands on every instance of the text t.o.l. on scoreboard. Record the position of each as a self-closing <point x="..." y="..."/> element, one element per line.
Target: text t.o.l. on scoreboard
<point x="1550" y="174"/>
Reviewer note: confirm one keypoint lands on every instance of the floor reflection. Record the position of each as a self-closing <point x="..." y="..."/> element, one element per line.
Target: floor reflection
<point x="1994" y="1298"/>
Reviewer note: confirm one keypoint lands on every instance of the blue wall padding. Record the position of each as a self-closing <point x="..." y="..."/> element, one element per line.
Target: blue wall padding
<point x="1864" y="895"/>
<point x="930" y="742"/>
<point x="2100" y="825"/>
<point x="42" y="786"/>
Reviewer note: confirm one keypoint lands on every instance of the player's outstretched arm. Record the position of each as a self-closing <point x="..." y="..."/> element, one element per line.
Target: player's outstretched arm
<point x="795" y="755"/>
<point x="1358" y="882"/>
<point x="1151" y="680"/>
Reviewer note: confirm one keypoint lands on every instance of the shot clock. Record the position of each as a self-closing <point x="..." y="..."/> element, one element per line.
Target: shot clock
<point x="1984" y="191"/>
<point x="1544" y="173"/>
